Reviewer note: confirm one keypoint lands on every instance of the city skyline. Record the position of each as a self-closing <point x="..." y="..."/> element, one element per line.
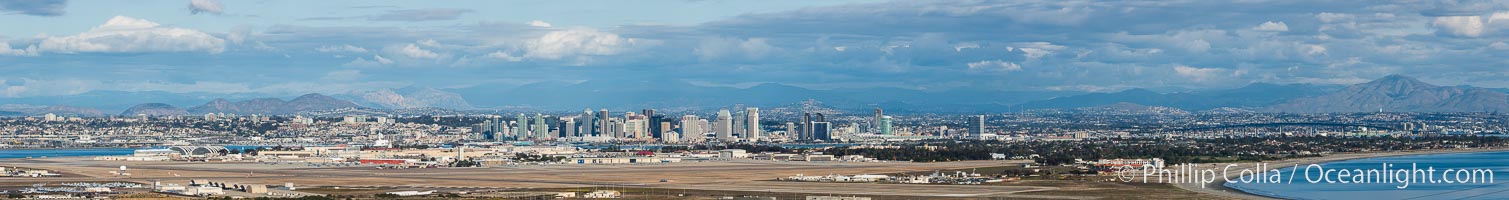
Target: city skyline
<point x="274" y="49"/>
<point x="757" y="100"/>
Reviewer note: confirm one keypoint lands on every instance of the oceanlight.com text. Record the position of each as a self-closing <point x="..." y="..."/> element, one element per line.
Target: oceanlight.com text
<point x="1401" y="175"/>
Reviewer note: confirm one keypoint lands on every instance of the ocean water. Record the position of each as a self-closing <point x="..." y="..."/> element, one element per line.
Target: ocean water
<point x="1302" y="188"/>
<point x="37" y="153"/>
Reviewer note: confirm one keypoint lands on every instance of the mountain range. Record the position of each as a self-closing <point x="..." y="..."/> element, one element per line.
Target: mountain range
<point x="274" y="106"/>
<point x="1391" y="93"/>
<point x="24" y="109"/>
<point x="1400" y="93"/>
<point x="406" y="98"/>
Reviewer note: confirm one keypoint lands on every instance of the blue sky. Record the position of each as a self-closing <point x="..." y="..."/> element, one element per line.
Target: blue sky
<point x="59" y="47"/>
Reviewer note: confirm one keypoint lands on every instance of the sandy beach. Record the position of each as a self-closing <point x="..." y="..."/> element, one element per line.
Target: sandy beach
<point x="1218" y="188"/>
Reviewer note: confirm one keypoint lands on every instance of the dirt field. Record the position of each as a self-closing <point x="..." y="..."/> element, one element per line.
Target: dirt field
<point x="733" y="177"/>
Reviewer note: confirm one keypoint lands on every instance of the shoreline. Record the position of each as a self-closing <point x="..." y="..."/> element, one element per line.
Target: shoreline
<point x="1219" y="188"/>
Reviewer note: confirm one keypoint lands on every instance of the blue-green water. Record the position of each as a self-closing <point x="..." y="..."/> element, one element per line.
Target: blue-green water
<point x="1302" y="188"/>
<point x="38" y="153"/>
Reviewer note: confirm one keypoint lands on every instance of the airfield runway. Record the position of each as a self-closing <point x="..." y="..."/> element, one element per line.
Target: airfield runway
<point x="741" y="175"/>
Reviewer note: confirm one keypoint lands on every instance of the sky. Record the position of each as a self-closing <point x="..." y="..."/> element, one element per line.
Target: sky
<point x="63" y="47"/>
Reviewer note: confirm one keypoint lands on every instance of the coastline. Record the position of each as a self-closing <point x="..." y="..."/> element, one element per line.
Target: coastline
<point x="1219" y="188"/>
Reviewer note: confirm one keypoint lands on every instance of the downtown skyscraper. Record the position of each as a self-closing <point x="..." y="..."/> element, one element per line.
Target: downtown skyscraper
<point x="724" y="127"/>
<point x="752" y="131"/>
<point x="690" y="128"/>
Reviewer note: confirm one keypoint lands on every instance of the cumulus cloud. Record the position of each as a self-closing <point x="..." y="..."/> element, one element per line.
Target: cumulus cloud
<point x="1272" y="26"/>
<point x="47" y="8"/>
<point x="206" y="6"/>
<point x="5" y="50"/>
<point x="71" y="86"/>
<point x="1467" y="26"/>
<point x="538" y="23"/>
<point x="377" y="60"/>
<point x="1035" y="50"/>
<point x="1500" y="45"/>
<point x="125" y="34"/>
<point x="718" y="48"/>
<point x="1198" y="74"/>
<point x="414" y="15"/>
<point x="413" y="51"/>
<point x="577" y="42"/>
<point x="504" y="56"/>
<point x="341" y="49"/>
<point x="994" y="65"/>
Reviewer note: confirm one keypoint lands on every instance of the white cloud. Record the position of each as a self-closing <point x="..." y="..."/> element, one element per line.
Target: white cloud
<point x="577" y="42"/>
<point x="206" y="6"/>
<point x="1500" y="45"/>
<point x="1328" y="17"/>
<point x="961" y="47"/>
<point x="238" y="34"/>
<point x="1468" y="26"/>
<point x="414" y="51"/>
<point x="125" y="34"/>
<point x="1197" y="74"/>
<point x="538" y="23"/>
<point x="428" y="43"/>
<point x="1315" y="50"/>
<point x="341" y="49"/>
<point x="1035" y="50"/>
<point x="5" y="50"/>
<point x="263" y="46"/>
<point x="1199" y="45"/>
<point x="995" y="65"/>
<point x="504" y="56"/>
<point x="1272" y="26"/>
<point x="70" y="86"/>
<point x="377" y="60"/>
<point x="717" y="48"/>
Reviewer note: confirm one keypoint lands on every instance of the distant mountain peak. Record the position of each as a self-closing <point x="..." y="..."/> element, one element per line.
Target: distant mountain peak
<point x="306" y="102"/>
<point x="312" y="96"/>
<point x="1137" y="91"/>
<point x="1401" y="94"/>
<point x="406" y="98"/>
<point x="155" y="109"/>
<point x="1399" y="80"/>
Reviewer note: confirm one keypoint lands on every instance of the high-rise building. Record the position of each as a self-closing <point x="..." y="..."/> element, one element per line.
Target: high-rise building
<point x="822" y="131"/>
<point x="806" y="133"/>
<point x="541" y="130"/>
<point x="661" y="134"/>
<point x="634" y="125"/>
<point x="752" y="131"/>
<point x="876" y="121"/>
<point x="977" y="126"/>
<point x="738" y="121"/>
<point x="603" y="123"/>
<point x="704" y="126"/>
<point x="885" y="125"/>
<point x="652" y="121"/>
<point x="618" y="128"/>
<point x="588" y="123"/>
<point x="790" y="130"/>
<point x="689" y="127"/>
<point x="724" y="127"/>
<point x="569" y="127"/>
<point x="515" y="128"/>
